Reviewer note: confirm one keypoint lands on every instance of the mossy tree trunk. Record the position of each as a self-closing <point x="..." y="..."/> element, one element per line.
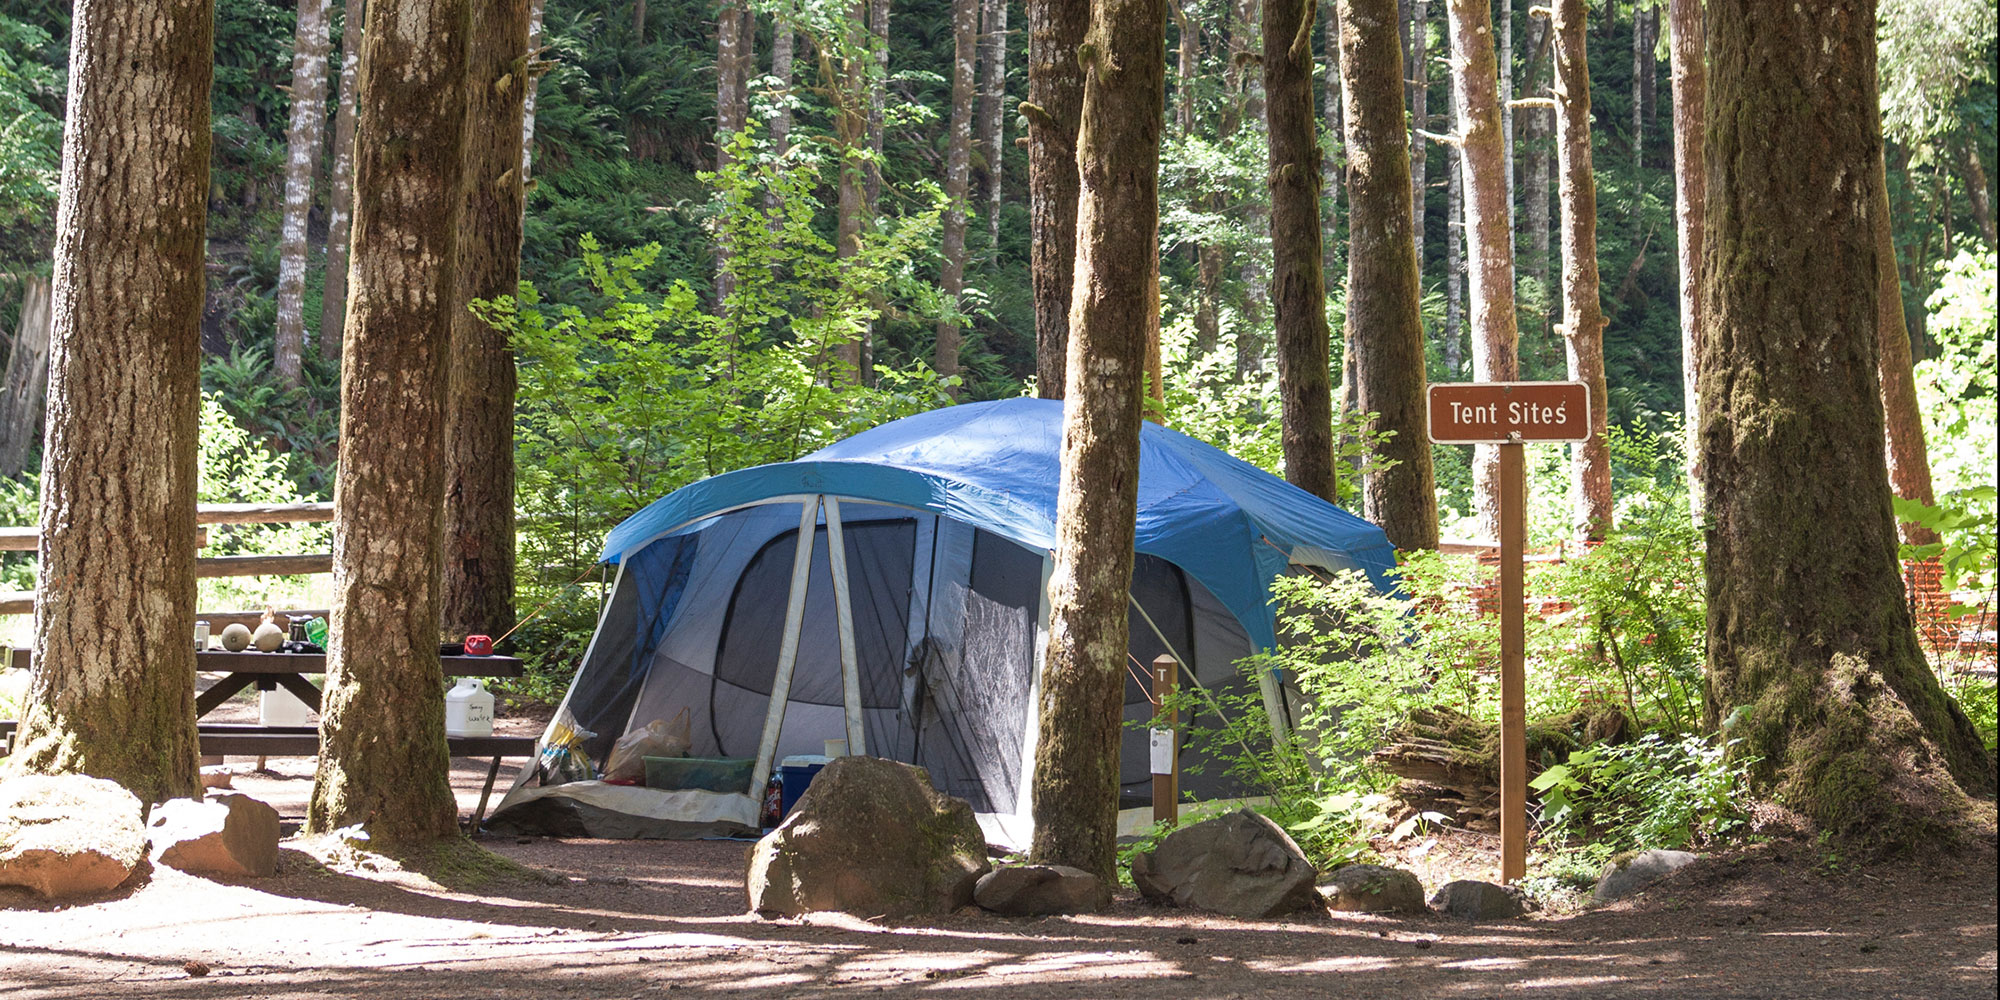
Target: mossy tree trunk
<point x="382" y="760"/>
<point x="1583" y="315"/>
<point x="1812" y="661"/>
<point x="113" y="690"/>
<point x="1083" y="676"/>
<point x="1384" y="326"/>
<point x="1055" y="105"/>
<point x="479" y="410"/>
<point x="1298" y="278"/>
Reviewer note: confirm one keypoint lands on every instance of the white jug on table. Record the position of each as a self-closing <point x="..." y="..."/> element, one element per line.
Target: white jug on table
<point x="468" y="709"/>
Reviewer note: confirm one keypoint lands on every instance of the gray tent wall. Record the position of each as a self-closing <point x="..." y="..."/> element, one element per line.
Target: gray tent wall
<point x="932" y="658"/>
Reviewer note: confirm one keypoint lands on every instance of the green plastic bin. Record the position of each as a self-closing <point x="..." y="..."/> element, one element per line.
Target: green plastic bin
<point x="714" y="774"/>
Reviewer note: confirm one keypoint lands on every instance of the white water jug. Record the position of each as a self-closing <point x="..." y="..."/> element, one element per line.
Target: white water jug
<point x="279" y="707"/>
<point x="468" y="709"/>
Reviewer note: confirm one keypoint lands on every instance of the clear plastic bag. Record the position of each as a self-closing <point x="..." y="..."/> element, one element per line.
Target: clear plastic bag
<point x="654" y="739"/>
<point x="562" y="759"/>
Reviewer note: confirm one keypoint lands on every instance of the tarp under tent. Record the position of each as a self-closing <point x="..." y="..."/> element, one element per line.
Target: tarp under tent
<point x="891" y="589"/>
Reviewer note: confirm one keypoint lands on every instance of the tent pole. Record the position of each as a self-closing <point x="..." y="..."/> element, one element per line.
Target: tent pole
<point x="788" y="647"/>
<point x="843" y="607"/>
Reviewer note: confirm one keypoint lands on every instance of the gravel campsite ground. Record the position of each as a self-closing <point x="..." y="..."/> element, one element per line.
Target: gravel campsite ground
<point x="639" y="919"/>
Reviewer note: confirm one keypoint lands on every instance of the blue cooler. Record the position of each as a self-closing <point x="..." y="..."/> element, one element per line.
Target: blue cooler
<point x="794" y="774"/>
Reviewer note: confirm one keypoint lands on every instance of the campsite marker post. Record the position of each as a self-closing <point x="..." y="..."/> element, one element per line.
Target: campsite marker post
<point x="1166" y="759"/>
<point x="1509" y="414"/>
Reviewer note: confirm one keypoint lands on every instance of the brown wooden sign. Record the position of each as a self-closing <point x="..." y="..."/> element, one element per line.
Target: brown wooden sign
<point x="1499" y="412"/>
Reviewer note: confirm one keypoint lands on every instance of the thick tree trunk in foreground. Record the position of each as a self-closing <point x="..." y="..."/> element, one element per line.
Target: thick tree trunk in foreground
<point x="957" y="167"/>
<point x="479" y="416"/>
<point x="1489" y="241"/>
<point x="1812" y="661"/>
<point x="302" y="144"/>
<point x="382" y="760"/>
<point x="1583" y="316"/>
<point x="1298" y="285"/>
<point x="24" y="393"/>
<point x="340" y="192"/>
<point x="1690" y="89"/>
<point x="113" y="689"/>
<point x="1903" y="422"/>
<point x="993" y="113"/>
<point x="1054" y="108"/>
<point x="1383" y="322"/>
<point x="1083" y="676"/>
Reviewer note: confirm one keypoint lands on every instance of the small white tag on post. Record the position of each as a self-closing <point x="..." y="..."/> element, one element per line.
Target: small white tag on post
<point x="1163" y="751"/>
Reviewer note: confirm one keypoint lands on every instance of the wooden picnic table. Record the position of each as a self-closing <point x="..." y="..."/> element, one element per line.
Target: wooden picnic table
<point x="289" y="670"/>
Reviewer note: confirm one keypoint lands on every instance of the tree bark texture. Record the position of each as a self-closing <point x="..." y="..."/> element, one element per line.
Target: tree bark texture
<point x="1385" y="328"/>
<point x="382" y="760"/>
<point x="1054" y="110"/>
<point x="1536" y="130"/>
<point x="731" y="108"/>
<point x="1298" y="284"/>
<point x="993" y="112"/>
<point x="1454" y="255"/>
<point x="1903" y="422"/>
<point x="1489" y="241"/>
<point x="1690" y="89"/>
<point x="878" y="80"/>
<point x="784" y="42"/>
<point x="852" y="94"/>
<point x="1083" y="676"/>
<point x="113" y="689"/>
<point x="957" y="179"/>
<point x="1504" y="55"/>
<point x="1978" y="189"/>
<point x="478" y="592"/>
<point x="340" y="191"/>
<point x="302" y="145"/>
<point x="1417" y="71"/>
<point x="1331" y="180"/>
<point x="534" y="83"/>
<point x="24" y="394"/>
<point x="1583" y="316"/>
<point x="1812" y="661"/>
<point x="1253" y="270"/>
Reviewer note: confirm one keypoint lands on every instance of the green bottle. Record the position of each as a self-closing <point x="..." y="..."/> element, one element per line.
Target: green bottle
<point x="316" y="631"/>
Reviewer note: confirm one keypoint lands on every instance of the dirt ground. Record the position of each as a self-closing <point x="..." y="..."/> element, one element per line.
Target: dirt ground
<point x="638" y="919"/>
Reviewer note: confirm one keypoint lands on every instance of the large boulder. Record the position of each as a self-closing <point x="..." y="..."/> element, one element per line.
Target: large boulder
<point x="1041" y="890"/>
<point x="1373" y="889"/>
<point x="1241" y="864"/>
<point x="68" y="835"/>
<point x="1626" y="874"/>
<point x="1470" y="899"/>
<point x="233" y="835"/>
<point x="870" y="837"/>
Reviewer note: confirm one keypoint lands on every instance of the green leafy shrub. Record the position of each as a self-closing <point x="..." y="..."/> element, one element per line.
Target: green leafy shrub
<point x="1656" y="792"/>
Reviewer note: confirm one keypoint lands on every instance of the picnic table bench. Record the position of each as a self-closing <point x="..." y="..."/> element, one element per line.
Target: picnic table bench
<point x="267" y="671"/>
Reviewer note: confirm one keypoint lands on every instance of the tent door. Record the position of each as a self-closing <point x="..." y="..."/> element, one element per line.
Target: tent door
<point x="788" y="648"/>
<point x="843" y="609"/>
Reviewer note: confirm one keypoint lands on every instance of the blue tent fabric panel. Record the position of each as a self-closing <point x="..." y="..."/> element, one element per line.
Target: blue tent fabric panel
<point x="996" y="465"/>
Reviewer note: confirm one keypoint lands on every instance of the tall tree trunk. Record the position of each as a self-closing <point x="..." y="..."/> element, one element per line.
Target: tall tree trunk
<point x="382" y="760"/>
<point x="1641" y="55"/>
<point x="783" y="40"/>
<point x="24" y="394"/>
<point x="993" y="114"/>
<point x="1690" y="90"/>
<point x="1298" y="299"/>
<point x="957" y="165"/>
<point x="1331" y="180"/>
<point x="1583" y="315"/>
<point x="113" y="690"/>
<point x="878" y="81"/>
<point x="1505" y="57"/>
<point x="479" y="416"/>
<point x="1903" y="423"/>
<point x="534" y="84"/>
<point x="1417" y="70"/>
<point x="1490" y="264"/>
<point x="850" y="126"/>
<point x="1812" y="660"/>
<point x="1187" y="65"/>
<point x="1535" y="133"/>
<point x="1083" y="674"/>
<point x="1454" y="253"/>
<point x="1649" y="70"/>
<point x="730" y="108"/>
<point x="1385" y="328"/>
<point x="1244" y="42"/>
<point x="340" y="193"/>
<point x="302" y="145"/>
<point x="1054" y="110"/>
<point x="1978" y="189"/>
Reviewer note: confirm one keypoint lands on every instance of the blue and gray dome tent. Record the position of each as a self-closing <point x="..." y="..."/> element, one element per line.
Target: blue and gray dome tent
<point x="891" y="589"/>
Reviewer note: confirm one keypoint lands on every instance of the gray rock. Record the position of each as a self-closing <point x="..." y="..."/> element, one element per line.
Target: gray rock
<point x="1628" y="873"/>
<point x="1241" y="864"/>
<point x="233" y="835"/>
<point x="68" y="835"/>
<point x="871" y="837"/>
<point x="1474" y="900"/>
<point x="1040" y="890"/>
<point x="1373" y="889"/>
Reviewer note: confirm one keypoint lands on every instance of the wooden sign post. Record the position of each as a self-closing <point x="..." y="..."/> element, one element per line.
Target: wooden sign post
<point x="1509" y="414"/>
<point x="1164" y="745"/>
